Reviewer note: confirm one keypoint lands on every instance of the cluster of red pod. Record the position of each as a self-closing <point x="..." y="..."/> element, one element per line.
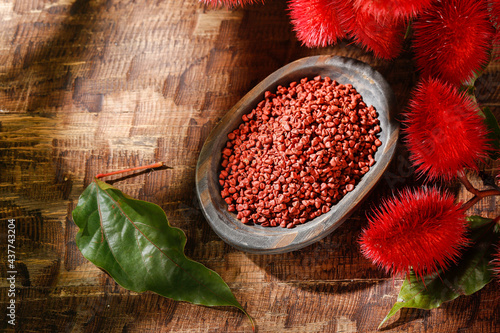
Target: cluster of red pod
<point x="298" y="153"/>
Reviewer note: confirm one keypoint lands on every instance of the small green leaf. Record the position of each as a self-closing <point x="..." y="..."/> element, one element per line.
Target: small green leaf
<point x="133" y="241"/>
<point x="469" y="275"/>
<point x="494" y="131"/>
<point x="476" y="221"/>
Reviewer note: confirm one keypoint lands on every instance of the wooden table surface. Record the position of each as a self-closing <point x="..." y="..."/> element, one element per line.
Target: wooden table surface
<point x="90" y="86"/>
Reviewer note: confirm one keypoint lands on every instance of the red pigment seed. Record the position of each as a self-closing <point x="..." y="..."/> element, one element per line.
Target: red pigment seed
<point x="298" y="153"/>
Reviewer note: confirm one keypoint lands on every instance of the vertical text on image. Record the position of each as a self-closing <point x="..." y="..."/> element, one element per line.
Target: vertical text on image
<point x="11" y="271"/>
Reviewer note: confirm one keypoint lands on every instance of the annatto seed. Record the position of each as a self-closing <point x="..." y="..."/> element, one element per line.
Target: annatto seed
<point x="298" y="152"/>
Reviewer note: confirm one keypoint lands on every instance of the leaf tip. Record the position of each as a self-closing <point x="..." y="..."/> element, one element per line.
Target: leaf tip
<point x="382" y="323"/>
<point x="252" y="322"/>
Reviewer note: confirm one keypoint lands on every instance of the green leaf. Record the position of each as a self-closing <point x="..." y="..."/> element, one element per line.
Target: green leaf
<point x="133" y="242"/>
<point x="469" y="275"/>
<point x="494" y="131"/>
<point x="476" y="221"/>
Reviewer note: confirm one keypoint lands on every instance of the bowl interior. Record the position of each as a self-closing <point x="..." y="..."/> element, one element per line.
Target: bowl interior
<point x="255" y="238"/>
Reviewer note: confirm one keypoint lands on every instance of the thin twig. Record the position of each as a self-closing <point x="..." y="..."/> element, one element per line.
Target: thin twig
<point x="478" y="194"/>
<point x="465" y="181"/>
<point x="150" y="166"/>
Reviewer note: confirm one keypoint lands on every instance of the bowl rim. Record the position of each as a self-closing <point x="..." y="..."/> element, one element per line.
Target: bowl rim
<point x="248" y="238"/>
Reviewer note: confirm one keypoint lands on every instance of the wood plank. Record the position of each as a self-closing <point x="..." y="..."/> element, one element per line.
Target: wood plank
<point x="89" y="86"/>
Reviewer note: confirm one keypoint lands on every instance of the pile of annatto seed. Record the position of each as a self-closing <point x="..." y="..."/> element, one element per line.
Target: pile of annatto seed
<point x="298" y="153"/>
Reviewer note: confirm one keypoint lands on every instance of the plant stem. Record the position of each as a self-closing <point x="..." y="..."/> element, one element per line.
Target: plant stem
<point x="497" y="219"/>
<point x="465" y="181"/>
<point x="150" y="166"/>
<point x="478" y="194"/>
<point x="477" y="197"/>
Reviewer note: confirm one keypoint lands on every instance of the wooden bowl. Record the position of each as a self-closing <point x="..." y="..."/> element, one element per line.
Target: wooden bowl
<point x="270" y="240"/>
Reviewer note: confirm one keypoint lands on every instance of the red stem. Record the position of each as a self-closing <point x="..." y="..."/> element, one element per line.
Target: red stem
<point x="478" y="194"/>
<point x="150" y="166"/>
<point x="465" y="181"/>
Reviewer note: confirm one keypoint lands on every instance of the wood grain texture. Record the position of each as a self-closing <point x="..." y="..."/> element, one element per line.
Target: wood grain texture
<point x="90" y="86"/>
<point x="261" y="240"/>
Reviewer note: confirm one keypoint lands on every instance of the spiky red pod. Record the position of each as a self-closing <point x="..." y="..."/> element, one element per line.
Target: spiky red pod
<point x="402" y="9"/>
<point x="452" y="39"/>
<point x="420" y="229"/>
<point x="444" y="132"/>
<point x="383" y="37"/>
<point x="316" y="22"/>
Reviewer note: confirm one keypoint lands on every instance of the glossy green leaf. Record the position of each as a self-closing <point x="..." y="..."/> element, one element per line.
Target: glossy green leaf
<point x="494" y="131"/>
<point x="476" y="221"/>
<point x="468" y="276"/>
<point x="133" y="241"/>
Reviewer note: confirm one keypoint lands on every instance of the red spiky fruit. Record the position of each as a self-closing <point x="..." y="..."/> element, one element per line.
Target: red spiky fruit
<point x="401" y="9"/>
<point x="444" y="132"/>
<point x="420" y="229"/>
<point x="452" y="39"/>
<point x="316" y="22"/>
<point x="382" y="37"/>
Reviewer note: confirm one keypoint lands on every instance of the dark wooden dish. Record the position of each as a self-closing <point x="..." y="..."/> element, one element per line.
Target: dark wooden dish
<point x="266" y="240"/>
